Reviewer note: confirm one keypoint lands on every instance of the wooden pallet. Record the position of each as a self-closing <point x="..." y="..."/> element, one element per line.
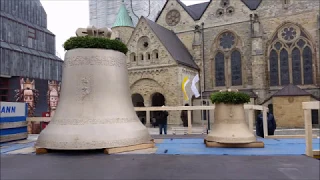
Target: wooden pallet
<point x="111" y="150"/>
<point x="257" y="144"/>
<point x="41" y="151"/>
<point x="128" y="148"/>
<point x="316" y="154"/>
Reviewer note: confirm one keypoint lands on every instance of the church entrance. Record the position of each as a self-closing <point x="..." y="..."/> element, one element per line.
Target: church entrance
<point x="137" y="101"/>
<point x="157" y="100"/>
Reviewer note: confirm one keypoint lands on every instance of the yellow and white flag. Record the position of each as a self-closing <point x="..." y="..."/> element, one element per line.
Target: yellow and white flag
<point x="194" y="87"/>
<point x="183" y="86"/>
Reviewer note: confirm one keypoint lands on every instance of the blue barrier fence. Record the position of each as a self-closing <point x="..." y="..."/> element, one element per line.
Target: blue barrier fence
<point x="13" y="121"/>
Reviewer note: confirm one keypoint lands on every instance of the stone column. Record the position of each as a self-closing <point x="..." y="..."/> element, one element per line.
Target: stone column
<point x="259" y="63"/>
<point x="147" y="104"/>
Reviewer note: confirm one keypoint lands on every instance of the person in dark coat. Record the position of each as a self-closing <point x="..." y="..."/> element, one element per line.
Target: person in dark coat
<point x="184" y="117"/>
<point x="163" y="121"/>
<point x="272" y="125"/>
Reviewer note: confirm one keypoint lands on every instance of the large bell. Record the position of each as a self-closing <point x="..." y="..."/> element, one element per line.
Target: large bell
<point x="95" y="110"/>
<point x="229" y="125"/>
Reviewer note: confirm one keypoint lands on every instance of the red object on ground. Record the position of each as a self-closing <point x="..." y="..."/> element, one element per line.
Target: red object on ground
<point x="46" y="114"/>
<point x="44" y="124"/>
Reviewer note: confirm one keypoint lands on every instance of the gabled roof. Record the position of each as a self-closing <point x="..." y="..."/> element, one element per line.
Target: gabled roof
<point x="173" y="44"/>
<point x="195" y="10"/>
<point x="252" y="4"/>
<point x="291" y="90"/>
<point x="123" y="19"/>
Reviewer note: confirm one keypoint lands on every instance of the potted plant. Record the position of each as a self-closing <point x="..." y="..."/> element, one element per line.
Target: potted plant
<point x="94" y="43"/>
<point x="229" y="118"/>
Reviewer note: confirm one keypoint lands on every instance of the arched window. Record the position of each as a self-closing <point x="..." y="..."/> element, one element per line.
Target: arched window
<point x="284" y="67"/>
<point x="307" y="65"/>
<point x="132" y="57"/>
<point x="228" y="58"/>
<point x="290" y="57"/>
<point x="148" y="56"/>
<point x="219" y="64"/>
<point x="155" y="54"/>
<point x="141" y="57"/>
<point x="236" y="72"/>
<point x="274" y="71"/>
<point x="296" y="66"/>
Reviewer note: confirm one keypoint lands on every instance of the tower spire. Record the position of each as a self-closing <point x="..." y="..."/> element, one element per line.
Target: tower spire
<point x="123" y="18"/>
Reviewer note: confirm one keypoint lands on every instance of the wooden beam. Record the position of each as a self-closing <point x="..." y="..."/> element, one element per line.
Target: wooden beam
<point x="308" y="131"/>
<point x="39" y="119"/>
<point x="189" y="123"/>
<point x="265" y="122"/>
<point x="287" y="136"/>
<point x="311" y="105"/>
<point x="192" y="108"/>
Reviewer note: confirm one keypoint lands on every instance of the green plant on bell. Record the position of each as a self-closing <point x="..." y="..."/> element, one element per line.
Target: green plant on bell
<point x="230" y="97"/>
<point x="95" y="42"/>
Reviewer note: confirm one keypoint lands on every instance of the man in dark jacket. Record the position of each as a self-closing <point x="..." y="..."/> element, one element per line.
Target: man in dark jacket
<point x="184" y="117"/>
<point x="163" y="121"/>
<point x="272" y="125"/>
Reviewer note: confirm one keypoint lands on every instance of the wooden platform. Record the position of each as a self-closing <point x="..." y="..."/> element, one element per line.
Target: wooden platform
<point x="129" y="148"/>
<point x="110" y="150"/>
<point x="41" y="151"/>
<point x="316" y="154"/>
<point x="240" y="145"/>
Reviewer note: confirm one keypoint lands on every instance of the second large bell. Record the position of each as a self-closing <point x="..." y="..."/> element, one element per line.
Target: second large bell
<point x="229" y="125"/>
<point x="95" y="109"/>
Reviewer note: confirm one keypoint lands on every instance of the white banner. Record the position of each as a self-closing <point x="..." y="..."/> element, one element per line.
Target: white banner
<point x="194" y="87"/>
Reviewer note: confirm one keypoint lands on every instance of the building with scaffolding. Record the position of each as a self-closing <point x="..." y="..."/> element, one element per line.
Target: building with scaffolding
<point x="103" y="13"/>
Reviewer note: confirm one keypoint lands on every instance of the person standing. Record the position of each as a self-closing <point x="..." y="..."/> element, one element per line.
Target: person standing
<point x="184" y="117"/>
<point x="163" y="122"/>
<point x="272" y="125"/>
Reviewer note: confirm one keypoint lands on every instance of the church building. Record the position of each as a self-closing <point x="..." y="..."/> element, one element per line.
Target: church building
<point x="259" y="47"/>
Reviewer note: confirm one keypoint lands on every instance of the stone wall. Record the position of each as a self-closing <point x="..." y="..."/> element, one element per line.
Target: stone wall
<point x="124" y="33"/>
<point x="288" y="111"/>
<point x="271" y="15"/>
<point x="147" y="82"/>
<point x="252" y="40"/>
<point x="143" y="33"/>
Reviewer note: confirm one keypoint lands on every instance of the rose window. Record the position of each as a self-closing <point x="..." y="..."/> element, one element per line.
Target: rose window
<point x="227" y="40"/>
<point x="289" y="33"/>
<point x="173" y="17"/>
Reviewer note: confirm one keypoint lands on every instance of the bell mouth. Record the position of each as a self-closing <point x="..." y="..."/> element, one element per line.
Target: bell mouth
<point x="231" y="133"/>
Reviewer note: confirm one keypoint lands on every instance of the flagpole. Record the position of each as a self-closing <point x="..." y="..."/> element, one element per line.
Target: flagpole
<point x="203" y="75"/>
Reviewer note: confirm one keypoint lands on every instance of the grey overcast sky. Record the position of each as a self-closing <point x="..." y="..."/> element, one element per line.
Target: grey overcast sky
<point x="65" y="16"/>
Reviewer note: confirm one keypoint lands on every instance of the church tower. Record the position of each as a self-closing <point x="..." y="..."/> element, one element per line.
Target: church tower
<point x="123" y="26"/>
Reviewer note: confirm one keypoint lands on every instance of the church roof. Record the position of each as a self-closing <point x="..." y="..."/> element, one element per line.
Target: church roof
<point x="291" y="90"/>
<point x="123" y="18"/>
<point x="196" y="10"/>
<point x="173" y="44"/>
<point x="252" y="4"/>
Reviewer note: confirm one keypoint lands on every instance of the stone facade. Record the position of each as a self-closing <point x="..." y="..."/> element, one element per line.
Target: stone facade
<point x="288" y="111"/>
<point x="238" y="44"/>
